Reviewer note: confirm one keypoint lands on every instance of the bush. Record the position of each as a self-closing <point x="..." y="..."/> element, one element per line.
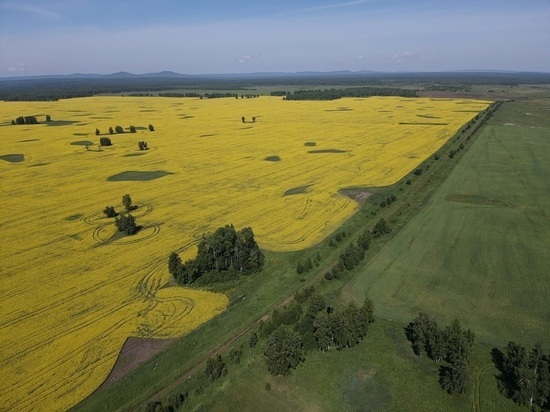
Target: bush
<point x="110" y="211"/>
<point x="151" y="128"/>
<point x="418" y="172"/>
<point x="408" y="181"/>
<point x="119" y="129"/>
<point x="126" y="224"/>
<point x="105" y="141"/>
<point x="132" y="129"/>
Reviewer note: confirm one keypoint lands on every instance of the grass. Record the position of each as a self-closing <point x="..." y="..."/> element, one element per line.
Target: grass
<point x="486" y="266"/>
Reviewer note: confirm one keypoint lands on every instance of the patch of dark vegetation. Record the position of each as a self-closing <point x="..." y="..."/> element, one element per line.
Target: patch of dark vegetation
<point x="62" y="122"/>
<point x="138" y="176"/>
<point x="80" y="134"/>
<point x="300" y="190"/>
<point x="428" y="116"/>
<point x="186" y="116"/>
<point x="13" y="158"/>
<point x="310" y="144"/>
<point x="273" y="159"/>
<point x="74" y="217"/>
<point x="339" y="109"/>
<point x="328" y="151"/>
<point x="333" y="94"/>
<point x="134" y="154"/>
<point x="82" y="143"/>
<point x="28" y="140"/>
<point x="148" y="110"/>
<point x="208" y="135"/>
<point x="100" y="117"/>
<point x="39" y="164"/>
<point x="477" y="200"/>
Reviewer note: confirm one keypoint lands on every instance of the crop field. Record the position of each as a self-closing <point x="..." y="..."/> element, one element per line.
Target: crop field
<point x="72" y="291"/>
<point x="479" y="250"/>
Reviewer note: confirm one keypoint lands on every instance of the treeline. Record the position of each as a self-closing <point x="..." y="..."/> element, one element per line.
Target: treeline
<point x="451" y="345"/>
<point x="333" y="94"/>
<point x="524" y="375"/>
<point x="27" y="120"/>
<point x="220" y="256"/>
<point x="354" y="253"/>
<point x="308" y="323"/>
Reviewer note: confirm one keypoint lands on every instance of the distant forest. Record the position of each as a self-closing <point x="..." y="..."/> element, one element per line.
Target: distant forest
<point x="64" y="87"/>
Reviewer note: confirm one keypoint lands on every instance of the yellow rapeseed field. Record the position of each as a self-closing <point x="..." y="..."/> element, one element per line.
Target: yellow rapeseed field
<point x="70" y="293"/>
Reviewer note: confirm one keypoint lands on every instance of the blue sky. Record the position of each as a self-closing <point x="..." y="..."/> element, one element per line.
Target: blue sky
<point x="244" y="36"/>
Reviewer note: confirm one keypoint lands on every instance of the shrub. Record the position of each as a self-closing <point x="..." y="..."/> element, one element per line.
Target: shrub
<point x="105" y="141"/>
<point x="418" y="172"/>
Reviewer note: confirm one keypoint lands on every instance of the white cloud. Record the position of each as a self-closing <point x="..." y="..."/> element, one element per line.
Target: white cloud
<point x="247" y="57"/>
<point x="401" y="57"/>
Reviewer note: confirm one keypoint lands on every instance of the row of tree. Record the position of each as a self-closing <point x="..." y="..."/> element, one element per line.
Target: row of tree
<point x="28" y="120"/>
<point x="224" y="252"/>
<point x="120" y="129"/>
<point x="451" y="345"/>
<point x="357" y="92"/>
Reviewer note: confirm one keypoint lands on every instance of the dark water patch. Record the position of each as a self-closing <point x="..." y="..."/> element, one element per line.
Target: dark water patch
<point x="82" y="143"/>
<point x="13" y="157"/>
<point x="328" y="151"/>
<point x="273" y="159"/>
<point x="300" y="190"/>
<point x="138" y="176"/>
<point x="310" y="144"/>
<point x="477" y="200"/>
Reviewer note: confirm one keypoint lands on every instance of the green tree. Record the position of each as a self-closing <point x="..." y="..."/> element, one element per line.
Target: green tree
<point x="126" y="224"/>
<point x="127" y="202"/>
<point x="132" y="129"/>
<point x="215" y="368"/>
<point x="105" y="141"/>
<point x="151" y="128"/>
<point x="110" y="211"/>
<point x="111" y="131"/>
<point x="119" y="129"/>
<point x="284" y="351"/>
<point x="97" y="132"/>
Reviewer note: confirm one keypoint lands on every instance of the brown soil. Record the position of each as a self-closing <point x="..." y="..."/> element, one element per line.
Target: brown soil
<point x="135" y="351"/>
<point x="359" y="195"/>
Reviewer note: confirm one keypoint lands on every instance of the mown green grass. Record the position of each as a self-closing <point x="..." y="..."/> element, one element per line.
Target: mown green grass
<point x="380" y="374"/>
<point x="487" y="266"/>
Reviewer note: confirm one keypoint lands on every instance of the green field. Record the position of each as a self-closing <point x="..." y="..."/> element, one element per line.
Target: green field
<point x="479" y="251"/>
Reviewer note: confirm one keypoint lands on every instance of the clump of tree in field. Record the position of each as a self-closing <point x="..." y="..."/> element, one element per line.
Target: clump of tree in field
<point x="172" y="404"/>
<point x="221" y="255"/>
<point x="105" y="141"/>
<point x="110" y="211"/>
<point x="307" y="323"/>
<point x="215" y="368"/>
<point x="127" y="224"/>
<point x="132" y="129"/>
<point x="524" y="375"/>
<point x="142" y="145"/>
<point x="127" y="203"/>
<point x="25" y="120"/>
<point x="389" y="200"/>
<point x="451" y="346"/>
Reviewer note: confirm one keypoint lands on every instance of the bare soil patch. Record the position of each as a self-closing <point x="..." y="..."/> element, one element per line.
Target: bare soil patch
<point x="135" y="352"/>
<point x="359" y="195"/>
